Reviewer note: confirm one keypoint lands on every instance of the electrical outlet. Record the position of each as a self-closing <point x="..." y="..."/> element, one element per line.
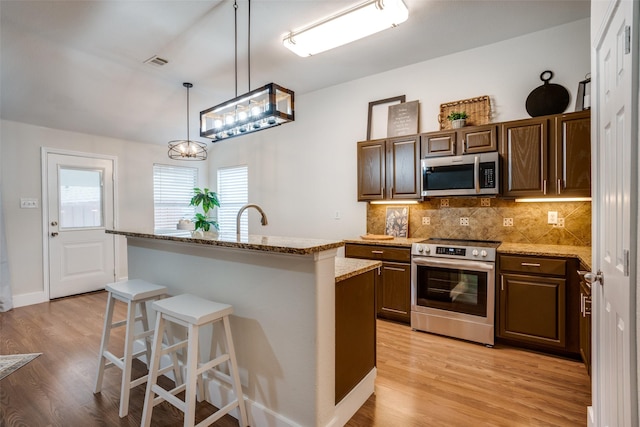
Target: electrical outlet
<point x="426" y="220"/>
<point x="336" y="215"/>
<point x="552" y="217"/>
<point x="444" y="203"/>
<point x="485" y="201"/>
<point x="464" y="220"/>
<point x="507" y="222"/>
<point x="27" y="203"/>
<point x="560" y="223"/>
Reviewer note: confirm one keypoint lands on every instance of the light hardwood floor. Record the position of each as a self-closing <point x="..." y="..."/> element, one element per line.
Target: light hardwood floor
<point x="423" y="379"/>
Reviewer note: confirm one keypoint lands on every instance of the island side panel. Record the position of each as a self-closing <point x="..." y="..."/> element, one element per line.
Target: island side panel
<point x="281" y="307"/>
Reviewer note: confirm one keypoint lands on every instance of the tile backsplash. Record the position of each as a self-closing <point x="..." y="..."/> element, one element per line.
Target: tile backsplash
<point x="432" y="218"/>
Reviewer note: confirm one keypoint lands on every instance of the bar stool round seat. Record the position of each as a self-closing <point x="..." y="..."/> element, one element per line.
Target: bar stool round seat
<point x="135" y="293"/>
<point x="193" y="312"/>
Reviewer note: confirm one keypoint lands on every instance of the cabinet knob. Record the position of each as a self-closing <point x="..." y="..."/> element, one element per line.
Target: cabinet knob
<point x="591" y="277"/>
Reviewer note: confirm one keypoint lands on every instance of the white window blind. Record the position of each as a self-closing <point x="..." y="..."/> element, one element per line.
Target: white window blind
<point x="233" y="192"/>
<point x="172" y="192"/>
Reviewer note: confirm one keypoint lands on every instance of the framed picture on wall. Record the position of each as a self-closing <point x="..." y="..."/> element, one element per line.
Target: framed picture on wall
<point x="397" y="221"/>
<point x="379" y="115"/>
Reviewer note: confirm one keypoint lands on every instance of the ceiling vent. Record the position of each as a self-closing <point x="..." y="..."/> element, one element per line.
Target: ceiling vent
<point x="156" y="60"/>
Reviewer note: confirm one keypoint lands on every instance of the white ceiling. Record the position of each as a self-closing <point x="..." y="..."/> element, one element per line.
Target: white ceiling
<point x="78" y="65"/>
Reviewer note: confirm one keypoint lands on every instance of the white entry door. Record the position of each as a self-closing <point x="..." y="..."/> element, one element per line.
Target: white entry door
<point x="615" y="116"/>
<point x="80" y="208"/>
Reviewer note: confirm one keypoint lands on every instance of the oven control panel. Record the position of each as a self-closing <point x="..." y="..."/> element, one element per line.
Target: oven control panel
<point x="477" y="252"/>
<point x="443" y="250"/>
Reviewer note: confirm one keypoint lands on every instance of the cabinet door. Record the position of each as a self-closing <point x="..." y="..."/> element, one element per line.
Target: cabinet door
<point x="573" y="151"/>
<point x="525" y="146"/>
<point x="533" y="309"/>
<point x="394" y="292"/>
<point x="434" y="144"/>
<point x="478" y="139"/>
<point x="403" y="168"/>
<point x="371" y="170"/>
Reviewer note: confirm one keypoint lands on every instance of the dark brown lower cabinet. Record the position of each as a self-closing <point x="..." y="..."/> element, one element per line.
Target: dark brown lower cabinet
<point x="355" y="331"/>
<point x="538" y="303"/>
<point x="394" y="295"/>
<point x="394" y="284"/>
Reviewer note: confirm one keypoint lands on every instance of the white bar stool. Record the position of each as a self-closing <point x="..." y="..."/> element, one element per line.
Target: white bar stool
<point x="134" y="293"/>
<point x="192" y="312"/>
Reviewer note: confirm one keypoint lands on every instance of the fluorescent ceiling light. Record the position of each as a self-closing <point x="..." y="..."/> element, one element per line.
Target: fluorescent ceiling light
<point x="352" y="24"/>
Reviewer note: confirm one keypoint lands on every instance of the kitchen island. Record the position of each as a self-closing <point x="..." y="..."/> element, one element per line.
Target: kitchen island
<point x="283" y="293"/>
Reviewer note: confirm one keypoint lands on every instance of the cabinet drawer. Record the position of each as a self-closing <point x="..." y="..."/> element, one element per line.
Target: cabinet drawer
<point x="382" y="253"/>
<point x="524" y="264"/>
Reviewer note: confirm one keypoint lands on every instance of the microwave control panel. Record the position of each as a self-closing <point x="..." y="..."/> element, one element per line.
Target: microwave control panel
<point x="487" y="175"/>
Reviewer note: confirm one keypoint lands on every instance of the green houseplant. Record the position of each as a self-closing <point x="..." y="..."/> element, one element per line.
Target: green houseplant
<point x="209" y="200"/>
<point x="458" y="119"/>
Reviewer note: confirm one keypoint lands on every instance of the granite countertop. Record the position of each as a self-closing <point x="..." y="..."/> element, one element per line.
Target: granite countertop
<point x="396" y="241"/>
<point x="287" y="245"/>
<point x="583" y="253"/>
<point x="349" y="267"/>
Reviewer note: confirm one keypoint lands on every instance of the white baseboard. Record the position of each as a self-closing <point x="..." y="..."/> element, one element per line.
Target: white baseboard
<point x="591" y="421"/>
<point x="29" y="299"/>
<point x="349" y="405"/>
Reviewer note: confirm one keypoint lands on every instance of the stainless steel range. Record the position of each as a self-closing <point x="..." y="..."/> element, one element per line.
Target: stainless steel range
<point x="453" y="288"/>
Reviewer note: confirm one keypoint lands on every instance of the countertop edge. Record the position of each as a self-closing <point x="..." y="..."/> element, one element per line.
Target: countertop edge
<point x="347" y="268"/>
<point x="582" y="253"/>
<point x="310" y="246"/>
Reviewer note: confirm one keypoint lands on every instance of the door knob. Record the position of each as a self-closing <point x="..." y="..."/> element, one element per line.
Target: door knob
<point x="54" y="234"/>
<point x="591" y="277"/>
<point x="54" y="223"/>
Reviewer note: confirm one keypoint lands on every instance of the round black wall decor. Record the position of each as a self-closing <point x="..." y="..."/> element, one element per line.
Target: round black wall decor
<point x="550" y="98"/>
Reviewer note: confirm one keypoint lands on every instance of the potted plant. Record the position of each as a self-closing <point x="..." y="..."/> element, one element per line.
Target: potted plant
<point x="209" y="200"/>
<point x="458" y="119"/>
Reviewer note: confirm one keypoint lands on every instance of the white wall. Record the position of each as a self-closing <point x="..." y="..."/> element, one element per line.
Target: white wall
<point x="20" y="145"/>
<point x="303" y="172"/>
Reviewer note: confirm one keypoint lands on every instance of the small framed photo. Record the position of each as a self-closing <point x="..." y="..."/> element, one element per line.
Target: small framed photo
<point x="397" y="223"/>
<point x="379" y="116"/>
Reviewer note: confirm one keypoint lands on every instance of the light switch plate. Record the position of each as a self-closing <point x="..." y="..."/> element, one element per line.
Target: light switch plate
<point x="28" y="203"/>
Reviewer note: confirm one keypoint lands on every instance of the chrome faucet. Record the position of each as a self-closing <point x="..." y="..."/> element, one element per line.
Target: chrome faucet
<point x="263" y="221"/>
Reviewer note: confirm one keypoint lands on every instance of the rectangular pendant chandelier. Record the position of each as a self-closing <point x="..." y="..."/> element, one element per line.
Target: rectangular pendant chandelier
<point x="262" y="108"/>
<point x="352" y="24"/>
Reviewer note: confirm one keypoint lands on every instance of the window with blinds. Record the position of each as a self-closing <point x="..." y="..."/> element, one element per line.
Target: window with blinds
<point x="172" y="192"/>
<point x="233" y="192"/>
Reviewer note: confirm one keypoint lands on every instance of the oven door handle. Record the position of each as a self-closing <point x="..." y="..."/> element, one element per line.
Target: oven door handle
<point x="460" y="264"/>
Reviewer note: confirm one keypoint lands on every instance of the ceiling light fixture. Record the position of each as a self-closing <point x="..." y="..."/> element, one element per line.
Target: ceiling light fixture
<point x="259" y="109"/>
<point x="185" y="149"/>
<point x="349" y="25"/>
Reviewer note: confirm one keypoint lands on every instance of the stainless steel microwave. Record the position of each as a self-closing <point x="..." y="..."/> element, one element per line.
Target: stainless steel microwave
<point x="466" y="175"/>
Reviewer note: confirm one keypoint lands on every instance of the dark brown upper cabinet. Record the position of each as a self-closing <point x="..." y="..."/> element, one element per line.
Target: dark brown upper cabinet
<point x="573" y="154"/>
<point x="454" y="142"/>
<point x="389" y="169"/>
<point x="547" y="156"/>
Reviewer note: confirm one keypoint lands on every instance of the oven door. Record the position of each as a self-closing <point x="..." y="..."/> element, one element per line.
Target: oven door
<point x="455" y="286"/>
